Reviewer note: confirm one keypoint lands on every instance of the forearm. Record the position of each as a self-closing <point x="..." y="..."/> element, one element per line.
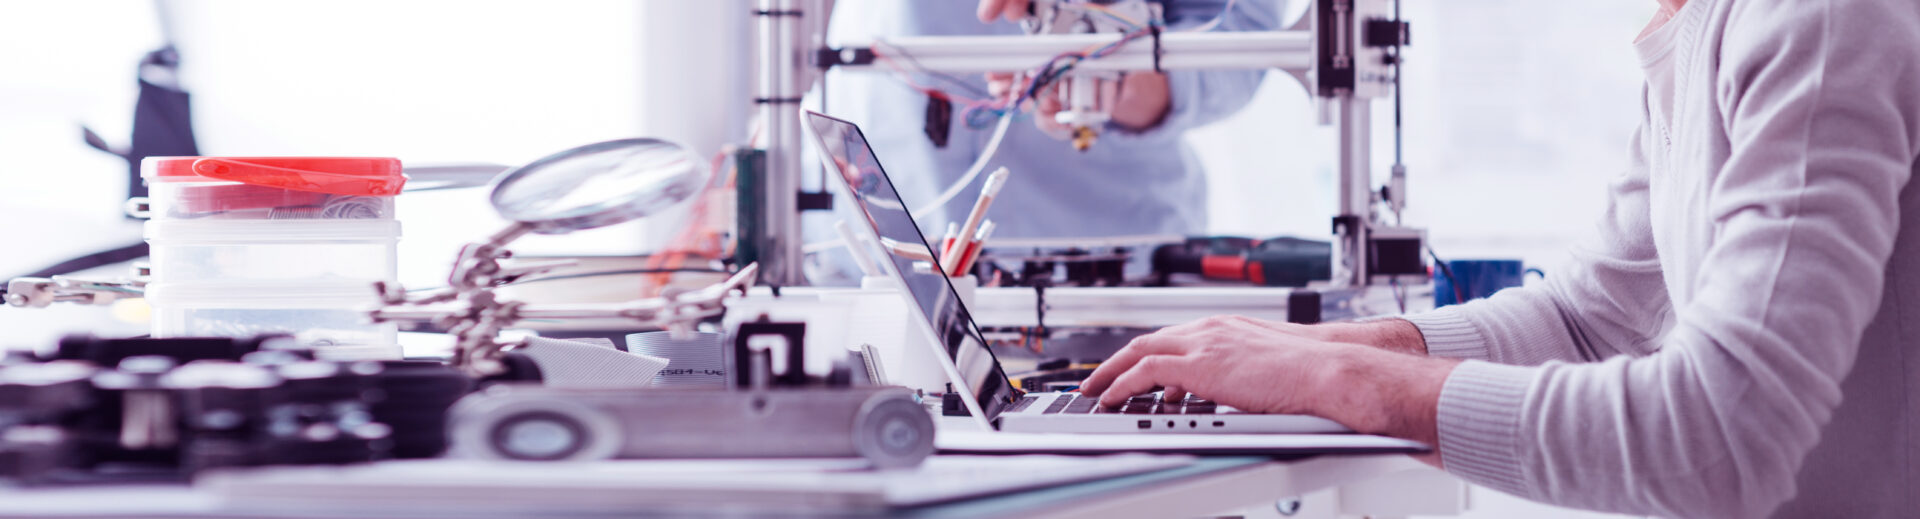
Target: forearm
<point x="1391" y="334"/>
<point x="1382" y="392"/>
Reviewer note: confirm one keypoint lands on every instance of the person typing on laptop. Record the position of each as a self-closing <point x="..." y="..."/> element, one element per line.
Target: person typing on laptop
<point x="1734" y="341"/>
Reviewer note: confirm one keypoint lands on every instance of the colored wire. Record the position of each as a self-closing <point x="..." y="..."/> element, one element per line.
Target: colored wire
<point x="1110" y="13"/>
<point x="895" y="52"/>
<point x="1054" y="69"/>
<point x="1459" y="295"/>
<point x="1001" y="112"/>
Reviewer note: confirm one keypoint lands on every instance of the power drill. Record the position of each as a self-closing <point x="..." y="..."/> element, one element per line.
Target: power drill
<point x="1278" y="262"/>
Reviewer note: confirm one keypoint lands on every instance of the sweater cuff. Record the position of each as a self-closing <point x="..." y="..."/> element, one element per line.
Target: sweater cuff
<point x="1450" y="335"/>
<point x="1479" y="424"/>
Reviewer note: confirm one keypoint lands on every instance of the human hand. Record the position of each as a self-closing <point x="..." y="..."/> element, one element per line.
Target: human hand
<point x="1140" y="100"/>
<point x="1012" y="10"/>
<point x="1254" y="365"/>
<point x="1268" y="367"/>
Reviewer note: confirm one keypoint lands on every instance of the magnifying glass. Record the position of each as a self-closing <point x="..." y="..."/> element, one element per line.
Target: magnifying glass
<point x="595" y="185"/>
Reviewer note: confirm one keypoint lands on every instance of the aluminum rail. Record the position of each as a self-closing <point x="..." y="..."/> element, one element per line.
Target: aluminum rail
<point x="1286" y="50"/>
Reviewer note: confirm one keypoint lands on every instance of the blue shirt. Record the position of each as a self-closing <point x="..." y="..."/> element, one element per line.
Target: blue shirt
<point x="1129" y="183"/>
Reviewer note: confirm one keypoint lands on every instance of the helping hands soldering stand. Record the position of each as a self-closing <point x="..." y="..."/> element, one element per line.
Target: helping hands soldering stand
<point x="583" y="188"/>
<point x="471" y="310"/>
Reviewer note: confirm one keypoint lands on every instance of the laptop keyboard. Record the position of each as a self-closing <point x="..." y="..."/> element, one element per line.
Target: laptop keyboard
<point x="1075" y="403"/>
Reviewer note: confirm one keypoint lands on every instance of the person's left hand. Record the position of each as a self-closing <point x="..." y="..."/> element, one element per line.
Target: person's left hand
<point x="1256" y="366"/>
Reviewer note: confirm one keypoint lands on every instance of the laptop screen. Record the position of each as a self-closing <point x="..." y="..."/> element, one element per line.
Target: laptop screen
<point x="844" y="150"/>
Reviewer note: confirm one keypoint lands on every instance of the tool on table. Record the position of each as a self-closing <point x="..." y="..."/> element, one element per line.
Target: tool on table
<point x="971" y="252"/>
<point x="130" y="410"/>
<point x="765" y="414"/>
<point x="586" y="187"/>
<point x="950" y="257"/>
<point x="1278" y="262"/>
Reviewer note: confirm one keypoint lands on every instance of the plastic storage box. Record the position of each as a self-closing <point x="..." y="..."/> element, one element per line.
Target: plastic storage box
<point x="249" y="245"/>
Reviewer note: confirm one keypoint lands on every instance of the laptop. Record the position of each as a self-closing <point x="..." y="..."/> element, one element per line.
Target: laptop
<point x="971" y="366"/>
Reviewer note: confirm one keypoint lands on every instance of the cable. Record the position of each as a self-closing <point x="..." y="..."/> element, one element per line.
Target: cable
<point x="1459" y="295"/>
<point x="894" y="52"/>
<point x="973" y="171"/>
<point x="907" y="77"/>
<point x="1006" y="110"/>
<point x="1115" y="15"/>
<point x="98" y="259"/>
<point x="822" y="246"/>
<point x="619" y="272"/>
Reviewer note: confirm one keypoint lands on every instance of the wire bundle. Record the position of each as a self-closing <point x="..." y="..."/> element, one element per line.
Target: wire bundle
<point x="981" y="111"/>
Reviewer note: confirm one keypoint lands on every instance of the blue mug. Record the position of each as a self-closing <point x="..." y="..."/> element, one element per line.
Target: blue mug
<point x="1476" y="278"/>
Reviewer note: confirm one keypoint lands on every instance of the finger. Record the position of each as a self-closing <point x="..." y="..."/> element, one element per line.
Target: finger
<point x="1173" y="394"/>
<point x="1048" y="107"/>
<point x="1157" y="370"/>
<point x="999" y="83"/>
<point x="990" y="9"/>
<point x="1049" y="104"/>
<point x="1014" y="10"/>
<point x="1140" y="348"/>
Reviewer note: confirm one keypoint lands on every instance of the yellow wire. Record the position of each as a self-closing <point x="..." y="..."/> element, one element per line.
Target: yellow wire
<point x="1114" y="14"/>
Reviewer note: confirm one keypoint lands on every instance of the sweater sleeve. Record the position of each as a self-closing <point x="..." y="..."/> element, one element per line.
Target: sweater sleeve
<point x="1609" y="299"/>
<point x="1202" y="97"/>
<point x="1821" y="136"/>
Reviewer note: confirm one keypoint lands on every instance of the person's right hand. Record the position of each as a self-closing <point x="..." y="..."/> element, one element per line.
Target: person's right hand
<point x="1001" y="83"/>
<point x="1011" y="10"/>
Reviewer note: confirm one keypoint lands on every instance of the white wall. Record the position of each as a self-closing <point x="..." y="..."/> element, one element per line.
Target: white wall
<point x="423" y="80"/>
<point x="1517" y="113"/>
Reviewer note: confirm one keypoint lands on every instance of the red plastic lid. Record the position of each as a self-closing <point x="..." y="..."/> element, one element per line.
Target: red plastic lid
<point x="356" y="176"/>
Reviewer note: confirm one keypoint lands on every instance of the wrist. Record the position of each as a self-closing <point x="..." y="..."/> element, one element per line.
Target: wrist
<point x="1379" y="392"/>
<point x="1391" y="334"/>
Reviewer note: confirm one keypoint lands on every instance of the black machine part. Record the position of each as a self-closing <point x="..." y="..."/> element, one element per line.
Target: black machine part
<point x="167" y="408"/>
<point x="181" y="350"/>
<point x="1278" y="262"/>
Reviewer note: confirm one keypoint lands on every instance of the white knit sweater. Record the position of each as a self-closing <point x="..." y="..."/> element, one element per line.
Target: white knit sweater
<point x="1741" y="336"/>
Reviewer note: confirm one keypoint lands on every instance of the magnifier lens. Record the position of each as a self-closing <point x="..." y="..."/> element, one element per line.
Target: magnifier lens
<point x="598" y="184"/>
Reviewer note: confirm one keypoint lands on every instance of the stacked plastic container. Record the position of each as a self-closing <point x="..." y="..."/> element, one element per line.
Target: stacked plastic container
<point x="247" y="245"/>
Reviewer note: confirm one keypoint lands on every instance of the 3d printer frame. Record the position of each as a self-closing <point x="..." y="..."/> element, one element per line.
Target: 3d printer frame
<point x="1346" y="52"/>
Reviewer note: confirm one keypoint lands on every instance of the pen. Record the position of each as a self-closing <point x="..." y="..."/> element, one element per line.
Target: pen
<point x="988" y="191"/>
<point x="946" y="242"/>
<point x="975" y="247"/>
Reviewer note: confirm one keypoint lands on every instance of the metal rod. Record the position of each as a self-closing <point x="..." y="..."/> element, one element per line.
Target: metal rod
<point x="1286" y="50"/>
<point x="1356" y="191"/>
<point x="778" y="97"/>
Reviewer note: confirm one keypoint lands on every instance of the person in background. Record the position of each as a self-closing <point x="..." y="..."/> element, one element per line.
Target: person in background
<point x="1138" y="178"/>
<point x="1739" y="338"/>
